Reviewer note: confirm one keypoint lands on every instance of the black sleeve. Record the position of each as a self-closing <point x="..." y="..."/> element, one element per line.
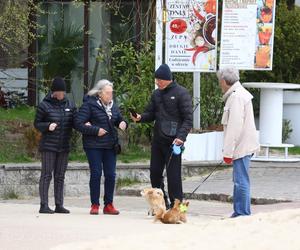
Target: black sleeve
<point x="83" y="116"/>
<point x="119" y="118"/>
<point x="149" y="113"/>
<point x="186" y="111"/>
<point x="40" y="122"/>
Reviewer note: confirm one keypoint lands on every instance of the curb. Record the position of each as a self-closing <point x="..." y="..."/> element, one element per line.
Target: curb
<point x="208" y="197"/>
<point x="120" y="165"/>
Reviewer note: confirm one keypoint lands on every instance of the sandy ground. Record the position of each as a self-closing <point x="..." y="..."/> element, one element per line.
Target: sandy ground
<point x="21" y="227"/>
<point x="269" y="231"/>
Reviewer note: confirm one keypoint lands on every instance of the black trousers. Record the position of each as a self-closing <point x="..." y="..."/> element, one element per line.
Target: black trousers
<point x="160" y="155"/>
<point x="56" y="164"/>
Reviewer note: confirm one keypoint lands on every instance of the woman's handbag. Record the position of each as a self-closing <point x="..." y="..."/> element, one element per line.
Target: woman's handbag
<point x="117" y="148"/>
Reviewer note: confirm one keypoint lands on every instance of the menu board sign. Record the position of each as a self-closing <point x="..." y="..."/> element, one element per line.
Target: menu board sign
<point x="247" y="34"/>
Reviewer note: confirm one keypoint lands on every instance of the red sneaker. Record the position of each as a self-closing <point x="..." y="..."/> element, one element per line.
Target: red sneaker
<point x="94" y="209"/>
<point x="110" y="209"/>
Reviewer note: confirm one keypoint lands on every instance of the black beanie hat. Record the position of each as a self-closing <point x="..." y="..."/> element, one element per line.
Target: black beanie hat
<point x="163" y="73"/>
<point x="58" y="84"/>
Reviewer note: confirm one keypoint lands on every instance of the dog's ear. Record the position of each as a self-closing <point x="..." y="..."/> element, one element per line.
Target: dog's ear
<point x="177" y="202"/>
<point x="144" y="191"/>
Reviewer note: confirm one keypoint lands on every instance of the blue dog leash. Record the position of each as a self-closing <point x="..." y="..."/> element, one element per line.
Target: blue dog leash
<point x="176" y="150"/>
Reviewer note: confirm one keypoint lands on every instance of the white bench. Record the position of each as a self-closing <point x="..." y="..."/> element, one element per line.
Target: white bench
<point x="267" y="157"/>
<point x="285" y="146"/>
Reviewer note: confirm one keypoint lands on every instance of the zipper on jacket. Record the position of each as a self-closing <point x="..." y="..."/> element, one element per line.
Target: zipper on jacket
<point x="62" y="115"/>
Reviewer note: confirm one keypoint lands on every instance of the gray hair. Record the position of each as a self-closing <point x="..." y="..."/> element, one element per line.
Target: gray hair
<point x="230" y="75"/>
<point x="99" y="86"/>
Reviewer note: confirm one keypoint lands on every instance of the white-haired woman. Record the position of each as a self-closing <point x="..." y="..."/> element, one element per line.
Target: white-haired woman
<point x="240" y="137"/>
<point x="97" y="120"/>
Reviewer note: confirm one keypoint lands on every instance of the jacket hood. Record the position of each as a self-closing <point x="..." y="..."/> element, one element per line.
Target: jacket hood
<point x="231" y="90"/>
<point x="87" y="98"/>
<point x="238" y="88"/>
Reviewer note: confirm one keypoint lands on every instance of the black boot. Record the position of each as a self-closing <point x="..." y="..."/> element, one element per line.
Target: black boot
<point x="166" y="198"/>
<point x="45" y="209"/>
<point x="171" y="204"/>
<point x="167" y="202"/>
<point x="61" y="210"/>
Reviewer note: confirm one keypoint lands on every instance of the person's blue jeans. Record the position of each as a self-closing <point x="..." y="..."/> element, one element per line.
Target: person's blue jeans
<point x="101" y="159"/>
<point x="241" y="190"/>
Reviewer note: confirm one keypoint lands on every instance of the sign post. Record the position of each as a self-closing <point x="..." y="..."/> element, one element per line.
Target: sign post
<point x="159" y="34"/>
<point x="197" y="96"/>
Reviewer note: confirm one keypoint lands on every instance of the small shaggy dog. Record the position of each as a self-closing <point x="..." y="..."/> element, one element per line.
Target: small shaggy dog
<point x="155" y="199"/>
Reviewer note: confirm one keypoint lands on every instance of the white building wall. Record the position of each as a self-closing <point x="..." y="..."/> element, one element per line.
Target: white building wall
<point x="291" y="111"/>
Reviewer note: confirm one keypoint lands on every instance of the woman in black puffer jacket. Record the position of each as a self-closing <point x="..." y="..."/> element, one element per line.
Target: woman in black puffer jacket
<point x="97" y="120"/>
<point x="54" y="119"/>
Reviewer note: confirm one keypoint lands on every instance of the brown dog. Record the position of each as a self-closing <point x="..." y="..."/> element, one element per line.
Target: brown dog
<point x="155" y="199"/>
<point x="172" y="216"/>
<point x="176" y="215"/>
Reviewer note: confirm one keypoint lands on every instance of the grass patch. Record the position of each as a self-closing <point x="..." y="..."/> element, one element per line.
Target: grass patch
<point x="3" y="128"/>
<point x="128" y="155"/>
<point x="13" y="152"/>
<point x="78" y="156"/>
<point x="10" y="195"/>
<point x="292" y="151"/>
<point x="126" y="182"/>
<point x="13" y="123"/>
<point x="21" y="113"/>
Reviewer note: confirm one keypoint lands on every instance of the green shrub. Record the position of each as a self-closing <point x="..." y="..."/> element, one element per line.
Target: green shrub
<point x="31" y="140"/>
<point x="286" y="129"/>
<point x="62" y="55"/>
<point x="11" y="194"/>
<point x="211" y="104"/>
<point x="132" y="72"/>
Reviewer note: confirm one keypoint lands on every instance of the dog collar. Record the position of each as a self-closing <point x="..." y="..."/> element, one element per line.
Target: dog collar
<point x="183" y="208"/>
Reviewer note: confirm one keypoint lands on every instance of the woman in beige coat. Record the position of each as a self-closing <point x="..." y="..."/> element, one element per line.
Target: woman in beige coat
<point x="240" y="136"/>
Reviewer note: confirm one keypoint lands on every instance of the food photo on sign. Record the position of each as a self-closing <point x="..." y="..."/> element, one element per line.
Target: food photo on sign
<point x="192" y="28"/>
<point x="203" y="33"/>
<point x="265" y="17"/>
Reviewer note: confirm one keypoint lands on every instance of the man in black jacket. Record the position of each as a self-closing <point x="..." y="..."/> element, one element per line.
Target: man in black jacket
<point x="171" y="109"/>
<point x="54" y="119"/>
